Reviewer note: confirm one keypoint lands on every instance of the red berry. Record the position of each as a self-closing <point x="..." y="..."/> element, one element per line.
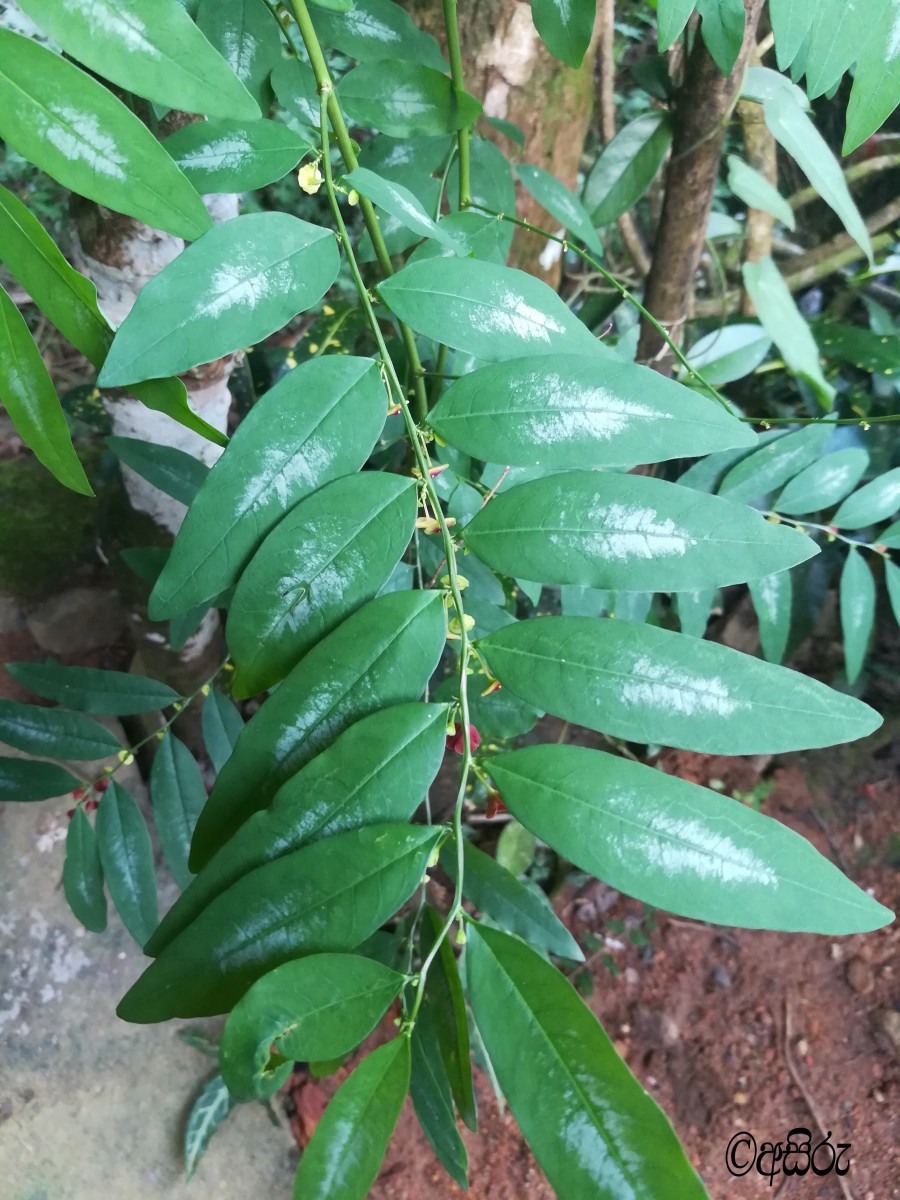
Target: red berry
<point x="101" y="785"/>
<point x="70" y="813"/>
<point x="78" y="793"/>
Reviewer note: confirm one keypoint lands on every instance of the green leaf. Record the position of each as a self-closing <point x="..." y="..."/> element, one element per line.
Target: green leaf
<point x="320" y="421"/>
<point x="407" y="100"/>
<point x="693" y="610"/>
<point x="823" y="483"/>
<point x="877" y="501"/>
<point x="432" y="1099"/>
<point x="324" y="898"/>
<point x="595" y="1132"/>
<point x="30" y="399"/>
<point x="626" y="167"/>
<point x="791" y="22"/>
<point x="173" y="471"/>
<point x="401" y="204"/>
<point x="70" y="126"/>
<point x="565" y="26"/>
<point x="481" y="236"/>
<point x="515" y="848"/>
<point x="772" y="466"/>
<point x="378" y="30"/>
<point x="383" y="654"/>
<point x="722" y="29"/>
<point x="514" y="906"/>
<point x="377" y="771"/>
<point x="320" y="1007"/>
<point x="83" y="874"/>
<point x="755" y="190"/>
<point x="839" y="31"/>
<point x="444" y="994"/>
<point x="127" y="858"/>
<point x="650" y="685"/>
<point x="488" y="311"/>
<point x="151" y="48"/>
<point x="294" y="84"/>
<point x="556" y="198"/>
<point x="245" y="279"/>
<point x="345" y="1153"/>
<point x="177" y="794"/>
<point x="54" y="732"/>
<point x="857" y="612"/>
<point x="785" y="324"/>
<point x="235" y="156"/>
<point x="889" y="537"/>
<point x="104" y="693"/>
<point x="565" y="410"/>
<point x="508" y="129"/>
<point x="207" y="1113"/>
<point x="22" y="780"/>
<point x="892" y="579"/>
<point x="872" y="349"/>
<point x="629" y="532"/>
<point x="671" y="18"/>
<point x="793" y="129"/>
<point x="246" y="35"/>
<point x="773" y="599"/>
<point x="222" y="724"/>
<point x="326" y="558"/>
<point x="677" y="846"/>
<point x="876" y="81"/>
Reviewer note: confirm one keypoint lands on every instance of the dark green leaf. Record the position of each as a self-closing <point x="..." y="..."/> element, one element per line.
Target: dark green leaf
<point x="508" y="129"/>
<point x="772" y="466"/>
<point x="401" y="204"/>
<point x="376" y="30"/>
<point x="823" y="483"/>
<point x="345" y="1153"/>
<point x="773" y="599"/>
<point x="406" y="101"/>
<point x="222" y="723"/>
<point x="54" y="732"/>
<point x="177" y="794"/>
<point x="85" y="138"/>
<point x="320" y="1007"/>
<point x="671" y="18"/>
<point x="23" y="780"/>
<point x="383" y="654"/>
<point x="320" y="421"/>
<point x="875" y="502"/>
<point x="565" y="27"/>
<point x="245" y="279"/>
<point x="247" y="37"/>
<point x="678" y="846"/>
<point x="872" y="349"/>
<point x="626" y="167"/>
<point x="876" y="81"/>
<point x="444" y="994"/>
<point x="324" y="898"/>
<point x="839" y="32"/>
<point x="377" y="771"/>
<point x="207" y="1113"/>
<point x="328" y="556"/>
<point x="104" y="693"/>
<point x="29" y="397"/>
<point x="127" y="858"/>
<point x="173" y="471"/>
<point x="595" y="1132"/>
<point x="857" y="611"/>
<point x="432" y="1099"/>
<point x="235" y="156"/>
<point x="150" y="47"/>
<point x="83" y="874"/>
<point x="556" y="198"/>
<point x="650" y="685"/>
<point x="723" y="30"/>
<point x="294" y="83"/>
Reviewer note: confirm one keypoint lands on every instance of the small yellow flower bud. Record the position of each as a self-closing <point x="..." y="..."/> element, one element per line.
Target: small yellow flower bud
<point x="310" y="179"/>
<point x="353" y="197"/>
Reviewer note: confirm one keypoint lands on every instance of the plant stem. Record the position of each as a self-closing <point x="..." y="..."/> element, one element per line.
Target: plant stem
<point x="829" y="530"/>
<point x="456" y="74"/>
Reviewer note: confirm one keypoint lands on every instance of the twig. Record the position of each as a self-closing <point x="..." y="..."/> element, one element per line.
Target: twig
<point x="860" y="170"/>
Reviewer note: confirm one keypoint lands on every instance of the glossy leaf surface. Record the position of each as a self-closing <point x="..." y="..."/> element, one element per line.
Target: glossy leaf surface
<point x="375" y="30"/>
<point x="565" y="27"/>
<point x="89" y="690"/>
<point x="401" y="204"/>
<point x="247" y="36"/>
<point x="626" y="167"/>
<point x="127" y="859"/>
<point x="222" y="724"/>
<point x="23" y="780"/>
<point x="53" y="732"/>
<point x="857" y="603"/>
<point x="722" y="29"/>
<point x="559" y="201"/>
<point x="408" y="101"/>
<point x="177" y="794"/>
<point x="83" y="874"/>
<point x="207" y="1113"/>
<point x="320" y="421"/>
<point x="235" y="156"/>
<point x="824" y="482"/>
<point x="773" y="598"/>
<point x="650" y="685"/>
<point x="678" y="846"/>
<point x="433" y="1100"/>
<point x="876" y="501"/>
<point x="775" y="463"/>
<point x="444" y="994"/>
<point x="324" y="898"/>
<point x="173" y="471"/>
<point x="245" y="279"/>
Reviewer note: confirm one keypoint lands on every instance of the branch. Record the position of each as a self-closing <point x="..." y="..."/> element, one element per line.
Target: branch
<point x="856" y="173"/>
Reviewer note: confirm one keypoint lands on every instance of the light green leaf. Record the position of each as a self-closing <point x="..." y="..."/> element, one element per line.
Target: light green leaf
<point x="838" y="31"/>
<point x="671" y="18"/>
<point x="626" y="167"/>
<point x="177" y="795"/>
<point x="378" y="30"/>
<point x="485" y="310"/>
<point x="85" y="138"/>
<point x="320" y="421"/>
<point x="566" y="410"/>
<point x="235" y="156"/>
<point x="876" y="81"/>
<point x="89" y="690"/>
<point x="377" y="771"/>
<point x="693" y="610"/>
<point x="173" y="471"/>
<point x="406" y="101"/>
<point x="480" y="235"/>
<point x="222" y="723"/>
<point x="722" y="29"/>
<point x="245" y="279"/>
<point x="823" y="483"/>
<point x="22" y="780"/>
<point x="646" y="684"/>
<point x="207" y="1113"/>
<point x="595" y="1132"/>
<point x="54" y="732"/>
<point x="785" y="324"/>
<point x="383" y="654"/>
<point x="83" y="874"/>
<point x="324" y="898"/>
<point x="889" y="537"/>
<point x="791" y="22"/>
<point x="151" y="48"/>
<point x="127" y="858"/>
<point x="29" y="397"/>
<point x="345" y="1153"/>
<point x="246" y="35"/>
<point x="294" y="84"/>
<point x="330" y="554"/>
<point x="727" y="354"/>
<point x="317" y="1008"/>
<point x="677" y="846"/>
<point x="560" y="203"/>
<point x="772" y="466"/>
<point x="892" y="579"/>
<point x="628" y="532"/>
<point x="755" y="190"/>
<point x="401" y="204"/>
<point x="565" y="26"/>
<point x="857" y="611"/>
<point x="773" y="599"/>
<point x="877" y="501"/>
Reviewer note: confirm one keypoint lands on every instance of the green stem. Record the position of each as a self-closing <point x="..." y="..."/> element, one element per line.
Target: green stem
<point x="456" y="74"/>
<point x="828" y="530"/>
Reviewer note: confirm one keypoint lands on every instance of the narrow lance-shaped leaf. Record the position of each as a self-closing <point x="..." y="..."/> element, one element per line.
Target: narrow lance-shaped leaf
<point x="876" y="501"/>
<point x="29" y="397"/>
<point x="85" y="138"/>
<point x="823" y="483"/>
<point x="595" y="1132"/>
<point x="694" y="611"/>
<point x="127" y="858"/>
<point x="173" y="471"/>
<point x="400" y="202"/>
<point x="346" y="1151"/>
<point x="89" y="690"/>
<point x="207" y="1113"/>
<point x="83" y="874"/>
<point x="54" y="732"/>
<point x="677" y="846"/>
<point x="626" y="167"/>
<point x="235" y="156"/>
<point x="876" y="80"/>
<point x="755" y="190"/>
<point x="445" y="995"/>
<point x="222" y="724"/>
<point x="773" y="600"/>
<point x="892" y="579"/>
<point x="560" y="203"/>
<point x="728" y="353"/>
<point x="857" y="611"/>
<point x="432" y="1099"/>
<point x="565" y="26"/>
<point x="177" y="794"/>
<point x="775" y="463"/>
<point x="646" y="684"/>
<point x="22" y="780"/>
<point x="671" y="18"/>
